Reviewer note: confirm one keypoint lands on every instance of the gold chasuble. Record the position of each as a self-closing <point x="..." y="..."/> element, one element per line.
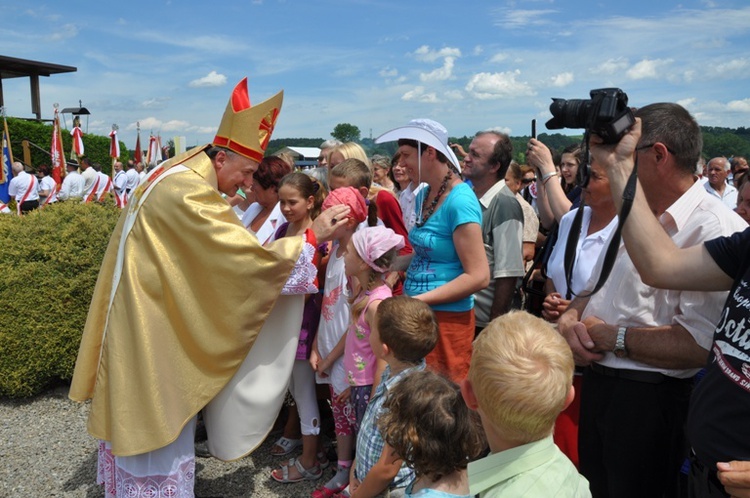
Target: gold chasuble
<point x="182" y="294"/>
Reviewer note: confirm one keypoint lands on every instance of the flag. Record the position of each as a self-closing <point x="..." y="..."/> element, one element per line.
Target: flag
<point x="77" y="148"/>
<point x="154" y="150"/>
<point x="138" y="153"/>
<point x="159" y="149"/>
<point x="6" y="172"/>
<point x="114" y="145"/>
<point x="56" y="153"/>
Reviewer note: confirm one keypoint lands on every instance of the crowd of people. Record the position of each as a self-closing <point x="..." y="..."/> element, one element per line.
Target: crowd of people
<point x="83" y="181"/>
<point x="403" y="285"/>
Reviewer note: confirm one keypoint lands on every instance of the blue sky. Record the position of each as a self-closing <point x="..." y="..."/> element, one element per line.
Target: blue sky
<point x="471" y="65"/>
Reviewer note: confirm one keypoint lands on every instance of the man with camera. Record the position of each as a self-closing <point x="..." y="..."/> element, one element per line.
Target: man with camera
<point x="643" y="345"/>
<point x="717" y="428"/>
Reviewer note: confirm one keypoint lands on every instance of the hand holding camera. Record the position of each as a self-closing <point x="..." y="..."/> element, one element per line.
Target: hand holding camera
<point x="618" y="158"/>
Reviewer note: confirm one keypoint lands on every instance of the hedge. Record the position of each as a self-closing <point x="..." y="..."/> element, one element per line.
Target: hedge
<point x="49" y="262"/>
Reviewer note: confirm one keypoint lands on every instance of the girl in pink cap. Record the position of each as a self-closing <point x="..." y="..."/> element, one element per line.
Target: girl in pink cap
<point x="368" y="258"/>
<point x="327" y="353"/>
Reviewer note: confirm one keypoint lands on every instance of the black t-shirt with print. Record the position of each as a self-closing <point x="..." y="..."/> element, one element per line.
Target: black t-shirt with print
<point x="718" y="425"/>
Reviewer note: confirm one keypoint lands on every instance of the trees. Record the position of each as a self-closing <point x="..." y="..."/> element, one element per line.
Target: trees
<point x="346" y="132"/>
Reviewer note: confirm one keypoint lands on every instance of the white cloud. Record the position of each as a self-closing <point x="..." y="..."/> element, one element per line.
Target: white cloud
<point x="175" y="125"/>
<point x="518" y="18"/>
<point x="388" y="72"/>
<point x="486" y="86"/>
<point x="441" y="73"/>
<point x="454" y="95"/>
<point x="418" y="95"/>
<point x="562" y="79"/>
<point x="155" y="103"/>
<point x="733" y="65"/>
<point x="147" y="125"/>
<point x="648" y="69"/>
<point x="611" y="66"/>
<point x="687" y="103"/>
<point x="477" y="50"/>
<point x="211" y="79"/>
<point x="63" y="32"/>
<point x="500" y="129"/>
<point x="424" y="53"/>
<point x="739" y="105"/>
<point x="499" y="57"/>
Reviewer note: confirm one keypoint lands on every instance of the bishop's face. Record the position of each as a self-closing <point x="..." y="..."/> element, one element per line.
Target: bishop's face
<point x="233" y="172"/>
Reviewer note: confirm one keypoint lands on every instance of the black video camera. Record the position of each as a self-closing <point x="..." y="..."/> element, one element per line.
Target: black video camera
<point x="607" y="114"/>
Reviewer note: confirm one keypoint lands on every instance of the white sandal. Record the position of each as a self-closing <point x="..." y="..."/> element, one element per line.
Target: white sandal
<point x="287" y="446"/>
<point x="312" y="474"/>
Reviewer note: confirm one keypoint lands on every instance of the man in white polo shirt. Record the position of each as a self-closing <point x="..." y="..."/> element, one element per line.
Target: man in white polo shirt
<point x="643" y="345"/>
<point x="25" y="188"/>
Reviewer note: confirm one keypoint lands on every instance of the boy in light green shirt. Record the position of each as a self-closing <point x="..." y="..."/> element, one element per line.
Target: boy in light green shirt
<point x="520" y="379"/>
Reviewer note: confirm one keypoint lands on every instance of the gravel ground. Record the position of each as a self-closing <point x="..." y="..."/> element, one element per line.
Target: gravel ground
<point x="46" y="451"/>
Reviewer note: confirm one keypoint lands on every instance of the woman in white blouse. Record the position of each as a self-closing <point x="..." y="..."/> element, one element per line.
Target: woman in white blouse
<point x="599" y="221"/>
<point x="263" y="217"/>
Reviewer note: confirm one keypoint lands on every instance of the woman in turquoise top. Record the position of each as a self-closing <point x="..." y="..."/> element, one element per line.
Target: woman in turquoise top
<point x="449" y="263"/>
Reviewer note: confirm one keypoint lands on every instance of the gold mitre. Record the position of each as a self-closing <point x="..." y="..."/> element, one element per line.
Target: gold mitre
<point x="247" y="129"/>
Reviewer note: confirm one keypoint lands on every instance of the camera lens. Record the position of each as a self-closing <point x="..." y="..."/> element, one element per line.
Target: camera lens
<point x="573" y="113"/>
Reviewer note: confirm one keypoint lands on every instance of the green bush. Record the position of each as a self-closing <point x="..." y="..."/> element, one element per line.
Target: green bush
<point x="49" y="262"/>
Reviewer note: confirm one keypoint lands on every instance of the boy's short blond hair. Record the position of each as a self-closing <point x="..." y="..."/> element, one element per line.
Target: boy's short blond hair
<point x="521" y="372"/>
<point x="408" y="327"/>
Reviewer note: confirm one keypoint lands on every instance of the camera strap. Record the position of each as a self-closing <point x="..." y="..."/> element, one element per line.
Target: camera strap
<point x="571" y="246"/>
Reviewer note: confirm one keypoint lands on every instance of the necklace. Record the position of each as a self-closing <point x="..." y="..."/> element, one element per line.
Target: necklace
<point x="433" y="205"/>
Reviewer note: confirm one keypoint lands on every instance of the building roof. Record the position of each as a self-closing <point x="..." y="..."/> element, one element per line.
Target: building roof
<point x="311" y="153"/>
<point x="10" y="67"/>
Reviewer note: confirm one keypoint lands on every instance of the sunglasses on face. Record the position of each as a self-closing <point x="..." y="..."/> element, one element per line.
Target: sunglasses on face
<point x="526" y="181"/>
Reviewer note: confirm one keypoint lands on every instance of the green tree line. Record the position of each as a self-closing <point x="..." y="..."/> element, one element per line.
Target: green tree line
<point x="726" y="142"/>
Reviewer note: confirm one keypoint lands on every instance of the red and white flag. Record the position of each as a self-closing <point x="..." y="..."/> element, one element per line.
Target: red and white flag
<point x="77" y="135"/>
<point x="138" y="153"/>
<point x="114" y="145"/>
<point x="154" y="150"/>
<point x="56" y="151"/>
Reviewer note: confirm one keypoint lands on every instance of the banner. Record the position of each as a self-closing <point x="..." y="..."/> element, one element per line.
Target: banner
<point x="77" y="134"/>
<point x="114" y="145"/>
<point x="138" y="153"/>
<point x="56" y="154"/>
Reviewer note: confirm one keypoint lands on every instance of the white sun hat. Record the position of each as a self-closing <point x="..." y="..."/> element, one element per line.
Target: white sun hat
<point x="423" y="130"/>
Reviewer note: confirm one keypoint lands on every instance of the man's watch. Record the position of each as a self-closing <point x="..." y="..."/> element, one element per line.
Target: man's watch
<point x="620" y="351"/>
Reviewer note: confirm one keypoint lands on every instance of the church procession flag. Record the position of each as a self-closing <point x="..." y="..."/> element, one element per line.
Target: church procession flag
<point x="138" y="152"/>
<point x="114" y="145"/>
<point x="77" y="149"/>
<point x="154" y="150"/>
<point x="6" y="172"/>
<point x="56" y="153"/>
